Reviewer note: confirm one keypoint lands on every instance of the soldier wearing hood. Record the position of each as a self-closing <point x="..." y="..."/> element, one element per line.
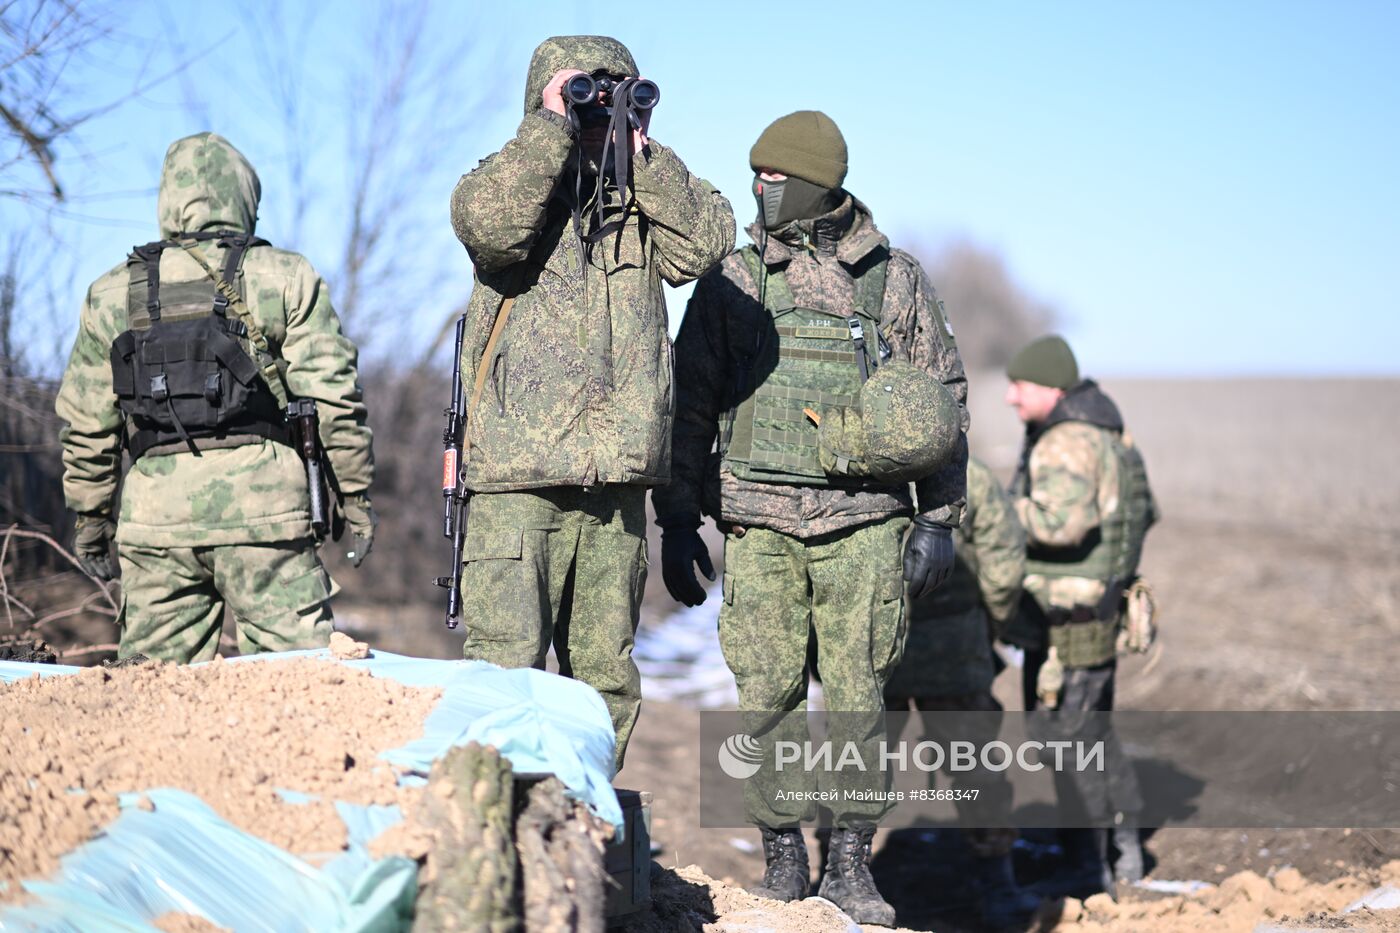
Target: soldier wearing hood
<point x="1082" y="496"/>
<point x="798" y="355"/>
<point x="184" y="355"/>
<point x="568" y="353"/>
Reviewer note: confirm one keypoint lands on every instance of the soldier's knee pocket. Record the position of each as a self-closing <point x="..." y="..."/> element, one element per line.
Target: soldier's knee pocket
<point x="500" y="589"/>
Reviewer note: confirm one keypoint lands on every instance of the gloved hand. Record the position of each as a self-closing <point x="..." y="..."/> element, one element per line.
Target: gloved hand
<point x="359" y="515"/>
<point x="681" y="549"/>
<point x="92" y="544"/>
<point x="928" y="557"/>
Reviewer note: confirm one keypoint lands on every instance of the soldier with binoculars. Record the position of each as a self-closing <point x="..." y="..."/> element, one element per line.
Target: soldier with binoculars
<point x="572" y="227"/>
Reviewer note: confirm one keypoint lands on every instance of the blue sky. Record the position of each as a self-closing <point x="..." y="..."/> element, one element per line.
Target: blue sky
<point x="1201" y="189"/>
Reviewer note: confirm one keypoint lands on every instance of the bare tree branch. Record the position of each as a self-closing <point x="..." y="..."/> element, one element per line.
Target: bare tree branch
<point x="14" y="531"/>
<point x="87" y="649"/>
<point x="37" y="145"/>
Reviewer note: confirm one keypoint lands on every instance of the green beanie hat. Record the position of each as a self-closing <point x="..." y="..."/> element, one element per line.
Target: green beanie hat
<point x="807" y="145"/>
<point x="1048" y="362"/>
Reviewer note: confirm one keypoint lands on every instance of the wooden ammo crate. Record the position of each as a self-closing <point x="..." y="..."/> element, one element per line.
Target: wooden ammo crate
<point x="627" y="861"/>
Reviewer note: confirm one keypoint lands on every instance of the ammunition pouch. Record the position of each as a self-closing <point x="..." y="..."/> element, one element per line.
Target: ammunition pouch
<point x="180" y="373"/>
<point x="1085" y="636"/>
<point x="814" y="361"/>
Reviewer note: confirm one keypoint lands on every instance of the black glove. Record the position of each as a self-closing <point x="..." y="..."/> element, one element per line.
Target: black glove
<point x="92" y="545"/>
<point x="359" y="515"/>
<point x="681" y="549"/>
<point x="928" y="557"/>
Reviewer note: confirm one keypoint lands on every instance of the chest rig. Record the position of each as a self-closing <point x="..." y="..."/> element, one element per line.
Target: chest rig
<point x="819" y="361"/>
<point x="1113" y="552"/>
<point x="180" y="371"/>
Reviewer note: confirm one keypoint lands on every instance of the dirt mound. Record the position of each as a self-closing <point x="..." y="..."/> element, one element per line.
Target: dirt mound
<point x="232" y="733"/>
<point x="1243" y="903"/>
<point x="686" y="899"/>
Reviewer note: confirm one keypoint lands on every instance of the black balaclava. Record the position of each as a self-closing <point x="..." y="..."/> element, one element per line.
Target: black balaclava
<point x="781" y="202"/>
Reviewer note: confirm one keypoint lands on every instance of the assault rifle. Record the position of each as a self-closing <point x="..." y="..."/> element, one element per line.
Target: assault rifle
<point x="454" y="494"/>
<point x="305" y="423"/>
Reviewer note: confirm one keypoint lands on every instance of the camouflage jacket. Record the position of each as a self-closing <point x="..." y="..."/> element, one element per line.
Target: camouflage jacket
<point x="724" y="322"/>
<point x="252" y="491"/>
<point x="1066" y="486"/>
<point x="578" y="390"/>
<point x="949" y="647"/>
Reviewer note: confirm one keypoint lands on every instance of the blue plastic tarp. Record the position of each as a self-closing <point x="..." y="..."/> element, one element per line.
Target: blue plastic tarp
<point x="10" y="671"/>
<point x="183" y="857"/>
<point x="543" y="723"/>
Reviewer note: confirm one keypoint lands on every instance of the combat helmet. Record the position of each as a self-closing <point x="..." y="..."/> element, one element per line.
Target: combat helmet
<point x="905" y="426"/>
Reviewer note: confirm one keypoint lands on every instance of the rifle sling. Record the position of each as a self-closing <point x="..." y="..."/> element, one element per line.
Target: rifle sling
<point x="482" y="365"/>
<point x="268" y="368"/>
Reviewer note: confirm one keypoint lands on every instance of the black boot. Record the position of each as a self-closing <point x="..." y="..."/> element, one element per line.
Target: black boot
<point x="787" y="877"/>
<point x="1003" y="903"/>
<point x="847" y="882"/>
<point x="823" y="852"/>
<point x="1086" y="851"/>
<point x="1129" y="868"/>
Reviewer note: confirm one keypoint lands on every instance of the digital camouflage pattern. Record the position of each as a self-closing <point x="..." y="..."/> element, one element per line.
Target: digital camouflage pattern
<point x="562" y="567"/>
<point x="576" y="403"/>
<point x="579" y="385"/>
<point x="252" y="493"/>
<point x="948" y="653"/>
<point x="848" y="589"/>
<point x="905" y="426"/>
<point x="724" y="323"/>
<point x="586" y="53"/>
<point x="278" y="594"/>
<point x="948" y="664"/>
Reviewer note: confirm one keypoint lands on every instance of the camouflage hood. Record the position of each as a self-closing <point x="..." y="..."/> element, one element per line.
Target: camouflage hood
<point x="207" y="184"/>
<point x="586" y="53"/>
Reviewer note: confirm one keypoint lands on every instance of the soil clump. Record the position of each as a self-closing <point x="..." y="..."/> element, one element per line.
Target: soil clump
<point x="686" y="899"/>
<point x="234" y="734"/>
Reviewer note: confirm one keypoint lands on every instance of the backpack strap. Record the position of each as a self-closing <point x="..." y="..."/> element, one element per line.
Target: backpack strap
<point x="236" y="246"/>
<point x="144" y="262"/>
<point x="271" y="375"/>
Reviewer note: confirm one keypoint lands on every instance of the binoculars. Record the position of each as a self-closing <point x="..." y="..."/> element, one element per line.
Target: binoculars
<point x="586" y="90"/>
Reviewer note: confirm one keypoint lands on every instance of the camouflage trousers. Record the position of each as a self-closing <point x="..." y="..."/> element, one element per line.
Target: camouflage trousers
<point x="561" y="567"/>
<point x="847" y="590"/>
<point x="993" y="787"/>
<point x="173" y="599"/>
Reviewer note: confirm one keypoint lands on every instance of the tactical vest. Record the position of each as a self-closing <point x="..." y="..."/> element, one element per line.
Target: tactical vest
<point x="822" y="361"/>
<point x="1086" y="636"/>
<point x="1112" y="555"/>
<point x="180" y="372"/>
